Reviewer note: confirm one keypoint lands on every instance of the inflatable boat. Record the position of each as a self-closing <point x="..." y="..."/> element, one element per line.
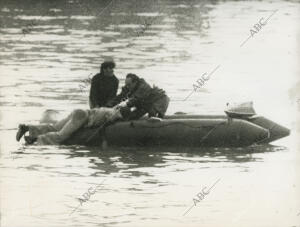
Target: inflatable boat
<point x="236" y="129"/>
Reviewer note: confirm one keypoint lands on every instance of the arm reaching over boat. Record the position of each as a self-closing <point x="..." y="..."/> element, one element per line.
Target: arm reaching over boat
<point x="119" y="98"/>
<point x="60" y="131"/>
<point x="144" y="98"/>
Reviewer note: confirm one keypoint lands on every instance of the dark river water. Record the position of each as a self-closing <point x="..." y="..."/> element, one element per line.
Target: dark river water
<point x="50" y="48"/>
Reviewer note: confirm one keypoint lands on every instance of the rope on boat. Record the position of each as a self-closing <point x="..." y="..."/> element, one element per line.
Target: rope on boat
<point x="103" y="126"/>
<point x="210" y="131"/>
<point x="269" y="134"/>
<point x="172" y="123"/>
<point x="181" y="123"/>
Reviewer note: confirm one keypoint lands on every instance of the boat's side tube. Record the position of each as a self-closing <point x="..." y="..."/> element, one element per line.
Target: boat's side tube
<point x="187" y="132"/>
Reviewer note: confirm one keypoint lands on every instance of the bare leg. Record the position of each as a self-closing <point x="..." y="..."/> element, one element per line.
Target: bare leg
<point x="69" y="125"/>
<point x="36" y="130"/>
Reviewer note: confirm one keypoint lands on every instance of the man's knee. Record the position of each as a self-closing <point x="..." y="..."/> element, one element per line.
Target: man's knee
<point x="79" y="114"/>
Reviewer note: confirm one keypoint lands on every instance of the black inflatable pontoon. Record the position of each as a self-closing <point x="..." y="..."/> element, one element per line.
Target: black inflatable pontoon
<point x="184" y="130"/>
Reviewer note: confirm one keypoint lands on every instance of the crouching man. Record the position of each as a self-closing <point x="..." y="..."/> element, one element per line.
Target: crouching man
<point x="57" y="133"/>
<point x="139" y="94"/>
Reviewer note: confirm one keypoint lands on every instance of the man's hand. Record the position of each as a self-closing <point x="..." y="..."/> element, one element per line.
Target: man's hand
<point x="122" y="104"/>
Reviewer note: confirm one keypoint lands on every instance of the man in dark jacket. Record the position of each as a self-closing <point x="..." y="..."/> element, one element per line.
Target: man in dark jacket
<point x="139" y="94"/>
<point x="104" y="86"/>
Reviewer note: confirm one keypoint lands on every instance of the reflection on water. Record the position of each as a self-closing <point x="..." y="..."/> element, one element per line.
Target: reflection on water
<point x="49" y="50"/>
<point x="155" y="185"/>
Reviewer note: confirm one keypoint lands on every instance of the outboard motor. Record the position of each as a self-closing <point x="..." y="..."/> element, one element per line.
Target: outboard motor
<point x="240" y="110"/>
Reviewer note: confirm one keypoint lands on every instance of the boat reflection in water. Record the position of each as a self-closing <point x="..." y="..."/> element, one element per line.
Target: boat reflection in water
<point x="115" y="159"/>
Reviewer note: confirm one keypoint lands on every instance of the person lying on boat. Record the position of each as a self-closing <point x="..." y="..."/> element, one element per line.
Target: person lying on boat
<point x="141" y="97"/>
<point x="57" y="133"/>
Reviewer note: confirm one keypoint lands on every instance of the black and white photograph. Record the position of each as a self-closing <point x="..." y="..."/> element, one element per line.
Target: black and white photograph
<point x="149" y="113"/>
